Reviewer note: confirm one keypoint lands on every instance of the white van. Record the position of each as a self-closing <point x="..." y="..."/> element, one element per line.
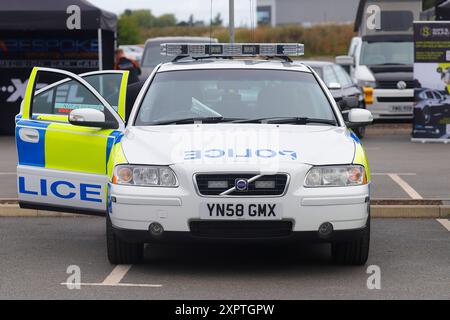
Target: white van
<point x="380" y="59"/>
<point x="382" y="65"/>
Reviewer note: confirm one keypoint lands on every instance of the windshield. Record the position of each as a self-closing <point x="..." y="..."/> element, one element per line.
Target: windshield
<point x="373" y="53"/>
<point x="233" y="93"/>
<point x="152" y="56"/>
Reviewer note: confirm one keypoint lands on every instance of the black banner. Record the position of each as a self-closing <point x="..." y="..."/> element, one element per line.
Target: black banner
<point x="20" y="51"/>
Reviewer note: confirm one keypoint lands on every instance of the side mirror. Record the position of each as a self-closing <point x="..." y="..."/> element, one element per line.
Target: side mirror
<point x="359" y="118"/>
<point x="334" y="85"/>
<point x="345" y="60"/>
<point x="90" y="118"/>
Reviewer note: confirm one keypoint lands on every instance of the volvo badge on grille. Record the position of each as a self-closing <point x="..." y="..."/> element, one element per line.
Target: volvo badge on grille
<point x="241" y="184"/>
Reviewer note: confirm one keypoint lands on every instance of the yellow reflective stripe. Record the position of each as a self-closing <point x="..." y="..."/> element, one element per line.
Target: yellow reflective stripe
<point x="66" y="148"/>
<point x="53" y="117"/>
<point x="123" y="95"/>
<point x="361" y="158"/>
<point x="117" y="157"/>
<point x="28" y="94"/>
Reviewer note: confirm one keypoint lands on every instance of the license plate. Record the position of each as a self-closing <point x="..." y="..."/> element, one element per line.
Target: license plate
<point x="401" y="108"/>
<point x="244" y="211"/>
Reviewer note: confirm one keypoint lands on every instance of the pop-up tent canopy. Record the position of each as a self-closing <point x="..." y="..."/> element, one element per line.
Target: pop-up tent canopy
<point x="52" y="15"/>
<point x="443" y="10"/>
<point x="67" y="34"/>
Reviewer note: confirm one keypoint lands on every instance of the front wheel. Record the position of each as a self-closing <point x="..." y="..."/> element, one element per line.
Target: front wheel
<point x="119" y="251"/>
<point x="354" y="252"/>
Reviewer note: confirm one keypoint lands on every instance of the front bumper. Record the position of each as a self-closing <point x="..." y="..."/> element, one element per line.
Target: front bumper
<point x="392" y="104"/>
<point x="133" y="209"/>
<point x="144" y="236"/>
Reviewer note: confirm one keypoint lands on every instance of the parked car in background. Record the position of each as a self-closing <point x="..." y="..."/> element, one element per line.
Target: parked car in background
<point x="346" y="93"/>
<point x="151" y="56"/>
<point x="432" y="104"/>
<point x="133" y="51"/>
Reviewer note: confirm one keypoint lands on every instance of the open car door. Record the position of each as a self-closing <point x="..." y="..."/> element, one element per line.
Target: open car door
<point x="62" y="166"/>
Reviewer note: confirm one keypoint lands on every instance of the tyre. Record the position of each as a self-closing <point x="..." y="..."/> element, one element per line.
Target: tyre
<point x="119" y="251"/>
<point x="353" y="252"/>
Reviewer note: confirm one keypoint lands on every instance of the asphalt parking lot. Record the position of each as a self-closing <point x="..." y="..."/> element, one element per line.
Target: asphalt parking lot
<point x="412" y="254"/>
<point x="412" y="257"/>
<point x="401" y="169"/>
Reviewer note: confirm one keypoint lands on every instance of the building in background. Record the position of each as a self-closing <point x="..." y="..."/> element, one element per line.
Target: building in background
<point x="305" y="12"/>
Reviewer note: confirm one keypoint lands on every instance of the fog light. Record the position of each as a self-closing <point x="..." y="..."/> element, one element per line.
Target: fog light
<point x="156" y="230"/>
<point x="325" y="230"/>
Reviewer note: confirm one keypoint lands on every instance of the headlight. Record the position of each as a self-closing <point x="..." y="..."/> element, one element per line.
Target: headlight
<point x="336" y="176"/>
<point x="144" y="176"/>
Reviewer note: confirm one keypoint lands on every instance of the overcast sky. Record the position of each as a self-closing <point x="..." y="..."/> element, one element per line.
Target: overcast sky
<point x="183" y="8"/>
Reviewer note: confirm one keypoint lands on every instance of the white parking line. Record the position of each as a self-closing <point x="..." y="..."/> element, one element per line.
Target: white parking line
<point x="445" y="223"/>
<point x="388" y="173"/>
<point x="405" y="186"/>
<point x="114" y="278"/>
<point x="117" y="274"/>
<point x="145" y="285"/>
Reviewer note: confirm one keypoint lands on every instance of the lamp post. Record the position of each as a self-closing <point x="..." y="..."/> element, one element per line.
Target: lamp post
<point x="231" y="20"/>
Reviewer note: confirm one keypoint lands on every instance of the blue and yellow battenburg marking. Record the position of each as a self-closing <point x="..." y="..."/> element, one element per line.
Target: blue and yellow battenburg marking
<point x="360" y="156"/>
<point x="62" y="189"/>
<point x="62" y="146"/>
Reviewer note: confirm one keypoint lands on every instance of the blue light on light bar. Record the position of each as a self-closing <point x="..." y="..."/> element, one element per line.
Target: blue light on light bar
<point x="232" y="50"/>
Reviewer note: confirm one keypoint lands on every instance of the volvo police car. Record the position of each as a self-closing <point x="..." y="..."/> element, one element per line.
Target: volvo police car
<point x="227" y="142"/>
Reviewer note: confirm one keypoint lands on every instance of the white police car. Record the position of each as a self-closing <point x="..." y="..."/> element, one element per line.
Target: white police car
<point x="225" y="142"/>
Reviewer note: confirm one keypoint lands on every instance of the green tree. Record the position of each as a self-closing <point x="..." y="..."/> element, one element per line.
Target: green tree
<point x="217" y="21"/>
<point x="128" y="31"/>
<point x="165" y="20"/>
<point x="143" y="18"/>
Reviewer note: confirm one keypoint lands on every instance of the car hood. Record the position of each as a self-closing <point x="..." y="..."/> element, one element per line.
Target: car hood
<point x="244" y="144"/>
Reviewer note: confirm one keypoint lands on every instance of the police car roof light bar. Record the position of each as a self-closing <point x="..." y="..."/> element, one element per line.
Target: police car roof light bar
<point x="232" y="50"/>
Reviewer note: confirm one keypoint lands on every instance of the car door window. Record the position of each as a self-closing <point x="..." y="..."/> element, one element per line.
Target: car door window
<point x="108" y="85"/>
<point x="329" y="76"/>
<point x="438" y="95"/>
<point x="64" y="98"/>
<point x="343" y="77"/>
<point x="61" y="97"/>
<point x="429" y="95"/>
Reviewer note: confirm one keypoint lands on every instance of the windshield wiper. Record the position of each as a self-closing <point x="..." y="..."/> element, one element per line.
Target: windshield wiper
<point x="195" y="119"/>
<point x="287" y="120"/>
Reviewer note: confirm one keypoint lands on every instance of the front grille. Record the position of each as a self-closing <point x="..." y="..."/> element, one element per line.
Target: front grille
<point x="240" y="229"/>
<point x="395" y="99"/>
<point x="385" y="84"/>
<point x="203" y="182"/>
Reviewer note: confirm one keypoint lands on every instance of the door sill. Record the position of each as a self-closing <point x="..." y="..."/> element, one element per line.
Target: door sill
<point x="39" y="206"/>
